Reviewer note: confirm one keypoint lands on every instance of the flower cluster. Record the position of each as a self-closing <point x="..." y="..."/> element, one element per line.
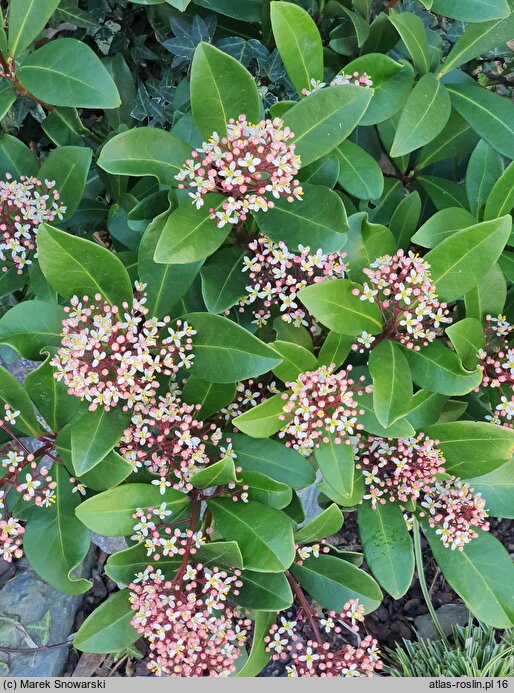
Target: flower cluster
<point x="497" y="361"/>
<point x="359" y="80"/>
<point x="20" y="473"/>
<point x="319" y="658"/>
<point x="24" y="205"/>
<point x="456" y="511"/>
<point x="320" y="402"/>
<point x="407" y="470"/>
<point x="399" y="470"/>
<point x="165" y="437"/>
<point x="249" y="166"/>
<point x="191" y="629"/>
<point x="310" y="551"/>
<point x="110" y="354"/>
<point x="402" y="288"/>
<point x="248" y="394"/>
<point x="159" y="539"/>
<point x="277" y="275"/>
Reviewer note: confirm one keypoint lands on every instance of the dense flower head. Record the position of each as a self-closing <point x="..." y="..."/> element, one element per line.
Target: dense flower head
<point x="402" y="287"/>
<point x="251" y="166"/>
<point x="320" y="403"/>
<point x="497" y="358"/>
<point x="454" y="508"/>
<point x="356" y="78"/>
<point x="191" y="628"/>
<point x="24" y="205"/>
<point x="399" y="470"/>
<point x="317" y="657"/>
<point x="21" y="473"/>
<point x="110" y="354"/>
<point x="277" y="275"/>
<point x="165" y="436"/>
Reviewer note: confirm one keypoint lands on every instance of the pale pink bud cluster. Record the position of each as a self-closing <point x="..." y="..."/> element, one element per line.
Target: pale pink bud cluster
<point x="456" y="511"/>
<point x="24" y="206"/>
<point x="165" y="436"/>
<point x="399" y="470"/>
<point x="356" y="78"/>
<point x="317" y="658"/>
<point x="251" y="166"/>
<point x="191" y="629"/>
<point x="278" y="274"/>
<point x="321" y="402"/>
<point x="305" y="551"/>
<point x="401" y="286"/>
<point x="112" y="354"/>
<point x="497" y="358"/>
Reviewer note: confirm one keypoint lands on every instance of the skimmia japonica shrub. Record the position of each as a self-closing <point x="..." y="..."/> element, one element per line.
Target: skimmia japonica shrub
<point x="261" y="265"/>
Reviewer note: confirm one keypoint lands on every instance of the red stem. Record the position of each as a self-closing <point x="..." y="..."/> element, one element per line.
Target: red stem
<point x="309" y="611"/>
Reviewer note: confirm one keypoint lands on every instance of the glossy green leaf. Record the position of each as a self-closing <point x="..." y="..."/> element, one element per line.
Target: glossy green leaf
<point x="412" y="32"/>
<point x="108" y="473"/>
<point x="190" y="234"/>
<point x="437" y="368"/>
<point x="497" y="487"/>
<point x="50" y="397"/>
<point x="223" y="279"/>
<point x="485" y="167"/>
<point x="273" y="459"/>
<point x="66" y="72"/>
<point x="55" y="541"/>
<point x="488" y="297"/>
<point x="360" y="174"/>
<point x="426" y="408"/>
<point x="221" y="89"/>
<point x="108" y="628"/>
<point x="225" y="352"/>
<point x="27" y="19"/>
<point x="458" y="262"/>
<point x="336" y="307"/>
<point x="324" y="119"/>
<point x="392" y="382"/>
<point x="264" y="592"/>
<point x="299" y="43"/>
<point x="332" y="582"/>
<point x="217" y="474"/>
<point x="266" y="490"/>
<point x="296" y="360"/>
<point x="471" y="11"/>
<point x="467" y="336"/>
<point x="478" y="39"/>
<point x="404" y="221"/>
<point x="264" y="420"/>
<point x="94" y="435"/>
<point x="335" y="349"/>
<point x="489" y="114"/>
<point x="444" y="193"/>
<point x="31" y="326"/>
<point x="399" y="429"/>
<point x="259" y="655"/>
<point x="165" y="284"/>
<point x="336" y="463"/>
<point x="210" y="396"/>
<point x="318" y="220"/>
<point x="501" y="197"/>
<point x="110" y="513"/>
<point x="424" y="115"/>
<point x="482" y="575"/>
<point x="16" y="158"/>
<point x="68" y="167"/>
<point x="77" y="266"/>
<point x="324" y="525"/>
<point x="456" y="139"/>
<point x="12" y="393"/>
<point x="122" y="566"/>
<point x="441" y="225"/>
<point x="145" y="152"/>
<point x="472" y="448"/>
<point x="264" y="535"/>
<point x="387" y="546"/>
<point x="365" y="242"/>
